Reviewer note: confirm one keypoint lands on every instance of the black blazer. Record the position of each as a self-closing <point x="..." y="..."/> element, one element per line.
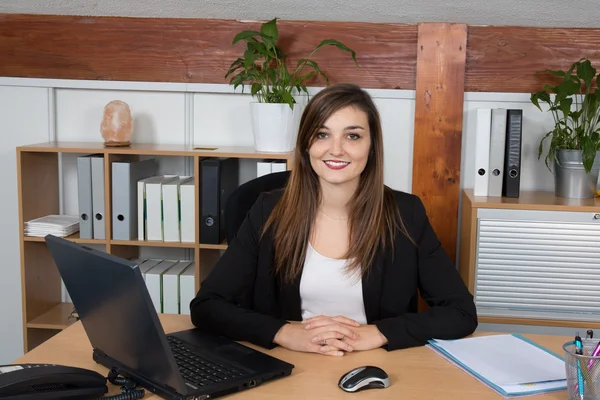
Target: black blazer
<point x="243" y="300"/>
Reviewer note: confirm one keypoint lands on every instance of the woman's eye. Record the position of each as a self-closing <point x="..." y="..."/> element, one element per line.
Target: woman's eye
<point x="353" y="136"/>
<point x="321" y="135"/>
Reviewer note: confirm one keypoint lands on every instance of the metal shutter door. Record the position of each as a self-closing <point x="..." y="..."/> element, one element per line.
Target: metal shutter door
<point x="538" y="264"/>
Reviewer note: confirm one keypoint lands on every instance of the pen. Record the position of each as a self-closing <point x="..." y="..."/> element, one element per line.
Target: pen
<point x="579" y="351"/>
<point x="595" y="353"/>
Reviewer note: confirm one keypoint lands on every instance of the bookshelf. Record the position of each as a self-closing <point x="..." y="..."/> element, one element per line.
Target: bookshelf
<point x="44" y="313"/>
<point x="532" y="260"/>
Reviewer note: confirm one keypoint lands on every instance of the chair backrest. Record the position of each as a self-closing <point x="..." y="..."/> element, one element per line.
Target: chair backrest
<point x="241" y="199"/>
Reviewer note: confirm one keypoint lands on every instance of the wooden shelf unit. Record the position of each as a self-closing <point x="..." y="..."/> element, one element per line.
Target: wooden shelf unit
<point x="44" y="313"/>
<point x="528" y="201"/>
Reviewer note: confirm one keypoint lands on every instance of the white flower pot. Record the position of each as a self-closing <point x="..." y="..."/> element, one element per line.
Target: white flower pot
<point x="274" y="126"/>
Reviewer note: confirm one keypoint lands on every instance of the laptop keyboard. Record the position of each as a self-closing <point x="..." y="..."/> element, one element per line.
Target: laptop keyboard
<point x="198" y="370"/>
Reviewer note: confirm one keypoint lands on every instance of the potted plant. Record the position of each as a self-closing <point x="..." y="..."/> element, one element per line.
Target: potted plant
<point x="263" y="67"/>
<point x="575" y="138"/>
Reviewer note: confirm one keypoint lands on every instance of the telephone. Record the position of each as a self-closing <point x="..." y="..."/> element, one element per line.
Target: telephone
<point x="49" y="382"/>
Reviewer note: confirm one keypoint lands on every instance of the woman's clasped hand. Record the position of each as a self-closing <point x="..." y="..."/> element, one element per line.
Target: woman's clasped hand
<point x="332" y="336"/>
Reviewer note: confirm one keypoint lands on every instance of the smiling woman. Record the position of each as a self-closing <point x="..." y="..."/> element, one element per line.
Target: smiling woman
<point x="336" y="249"/>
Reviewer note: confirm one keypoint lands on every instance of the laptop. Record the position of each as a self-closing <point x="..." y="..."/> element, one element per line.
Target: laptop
<point x="115" y="309"/>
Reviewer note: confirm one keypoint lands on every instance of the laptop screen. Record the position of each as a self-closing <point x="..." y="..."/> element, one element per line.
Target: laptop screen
<point x="116" y="311"/>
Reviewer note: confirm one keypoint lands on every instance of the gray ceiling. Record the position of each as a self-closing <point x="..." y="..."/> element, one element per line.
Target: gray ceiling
<point x="550" y="13"/>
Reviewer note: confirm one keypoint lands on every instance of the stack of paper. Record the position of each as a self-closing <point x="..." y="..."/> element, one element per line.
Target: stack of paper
<point x="510" y="364"/>
<point x="57" y="225"/>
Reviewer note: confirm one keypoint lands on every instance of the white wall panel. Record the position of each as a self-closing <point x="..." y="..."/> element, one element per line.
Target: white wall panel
<point x="158" y="117"/>
<point x="24" y="113"/>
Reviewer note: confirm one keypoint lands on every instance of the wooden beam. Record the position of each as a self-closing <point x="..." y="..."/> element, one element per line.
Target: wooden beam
<point x="195" y="50"/>
<point x="506" y="58"/>
<point x="438" y="125"/>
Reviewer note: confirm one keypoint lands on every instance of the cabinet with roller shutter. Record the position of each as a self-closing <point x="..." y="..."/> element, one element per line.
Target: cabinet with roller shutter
<point x="532" y="260"/>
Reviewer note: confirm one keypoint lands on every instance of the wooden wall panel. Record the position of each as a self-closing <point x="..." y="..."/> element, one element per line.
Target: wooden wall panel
<point x="438" y="125"/>
<point x="194" y="50"/>
<point x="505" y="59"/>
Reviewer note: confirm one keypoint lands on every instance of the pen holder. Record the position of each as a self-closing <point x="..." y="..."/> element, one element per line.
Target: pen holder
<point x="589" y="367"/>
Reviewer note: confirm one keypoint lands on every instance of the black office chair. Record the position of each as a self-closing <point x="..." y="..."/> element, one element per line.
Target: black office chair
<point x="241" y="200"/>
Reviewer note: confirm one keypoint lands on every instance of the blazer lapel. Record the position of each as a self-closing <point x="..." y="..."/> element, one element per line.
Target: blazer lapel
<point x="371" y="288"/>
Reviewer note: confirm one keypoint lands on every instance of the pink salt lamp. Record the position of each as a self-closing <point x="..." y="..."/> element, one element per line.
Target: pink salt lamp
<point x="117" y="124"/>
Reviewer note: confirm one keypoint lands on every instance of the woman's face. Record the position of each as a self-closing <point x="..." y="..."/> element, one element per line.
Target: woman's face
<point x="340" y="151"/>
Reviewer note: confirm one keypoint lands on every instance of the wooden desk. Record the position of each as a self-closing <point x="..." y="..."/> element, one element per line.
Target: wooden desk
<point x="415" y="373"/>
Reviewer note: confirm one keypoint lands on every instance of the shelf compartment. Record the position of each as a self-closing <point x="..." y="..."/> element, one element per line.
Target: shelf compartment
<point x="55" y="318"/>
<point x="153" y="243"/>
<point x="74" y="238"/>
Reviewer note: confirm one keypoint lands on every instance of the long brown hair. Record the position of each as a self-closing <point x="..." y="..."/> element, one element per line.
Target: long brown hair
<point x="373" y="218"/>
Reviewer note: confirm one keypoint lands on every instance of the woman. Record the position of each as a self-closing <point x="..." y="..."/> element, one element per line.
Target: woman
<point x="336" y="249"/>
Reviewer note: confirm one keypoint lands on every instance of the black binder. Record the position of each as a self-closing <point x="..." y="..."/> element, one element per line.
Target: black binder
<point x="512" y="154"/>
<point x="219" y="178"/>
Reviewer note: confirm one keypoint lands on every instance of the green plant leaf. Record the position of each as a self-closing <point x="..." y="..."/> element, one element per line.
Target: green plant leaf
<point x="250" y="56"/>
<point x="244" y="35"/>
<point x="339" y="45"/>
<point x="586" y="72"/>
<point x="256" y="87"/>
<point x="566" y="89"/>
<point x="565" y="106"/>
<point x="270" y="29"/>
<point x="314" y="65"/>
<point x="589" y="153"/>
<point x="560" y="73"/>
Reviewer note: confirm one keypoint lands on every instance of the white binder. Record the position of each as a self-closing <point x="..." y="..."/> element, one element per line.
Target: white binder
<point x="188" y="213"/>
<point x="154" y="283"/>
<point x="278" y="166"/>
<point x="154" y="207"/>
<point x="98" y="196"/>
<point x="171" y="209"/>
<point x="482" y="151"/>
<point x="497" y="144"/>
<point x="263" y="167"/>
<point x="171" y="287"/>
<point x="187" y="288"/>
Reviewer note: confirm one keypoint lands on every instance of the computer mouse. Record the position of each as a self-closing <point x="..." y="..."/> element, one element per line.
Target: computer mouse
<point x="366" y="377"/>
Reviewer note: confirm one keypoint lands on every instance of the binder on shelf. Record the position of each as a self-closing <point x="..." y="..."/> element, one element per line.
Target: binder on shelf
<point x="154" y="283"/>
<point x="141" y="208"/>
<point x="510" y="364"/>
<point x="219" y="178"/>
<point x="482" y="151"/>
<point x="188" y="210"/>
<point x="278" y="166"/>
<point x="147" y="265"/>
<point x="84" y="197"/>
<point x="98" y="196"/>
<point x="512" y="154"/>
<point x="187" y="288"/>
<point x="125" y="175"/>
<point x="171" y="209"/>
<point x="171" y="287"/>
<point x="263" y="167"/>
<point x="497" y="144"/>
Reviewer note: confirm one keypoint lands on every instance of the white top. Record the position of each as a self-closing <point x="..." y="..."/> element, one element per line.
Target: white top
<point x="327" y="289"/>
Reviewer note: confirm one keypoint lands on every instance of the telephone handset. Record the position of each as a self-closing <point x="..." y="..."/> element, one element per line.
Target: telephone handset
<point x="49" y="382"/>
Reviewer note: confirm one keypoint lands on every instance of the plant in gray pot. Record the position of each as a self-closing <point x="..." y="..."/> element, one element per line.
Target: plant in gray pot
<point x="575" y="140"/>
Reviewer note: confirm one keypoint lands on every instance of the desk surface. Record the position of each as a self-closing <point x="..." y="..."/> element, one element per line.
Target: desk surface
<point x="415" y="373"/>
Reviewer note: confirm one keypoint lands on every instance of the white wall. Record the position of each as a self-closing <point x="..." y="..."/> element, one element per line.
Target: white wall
<point x="24" y="118"/>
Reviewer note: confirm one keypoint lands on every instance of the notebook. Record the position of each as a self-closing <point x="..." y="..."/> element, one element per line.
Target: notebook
<point x="510" y="364"/>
